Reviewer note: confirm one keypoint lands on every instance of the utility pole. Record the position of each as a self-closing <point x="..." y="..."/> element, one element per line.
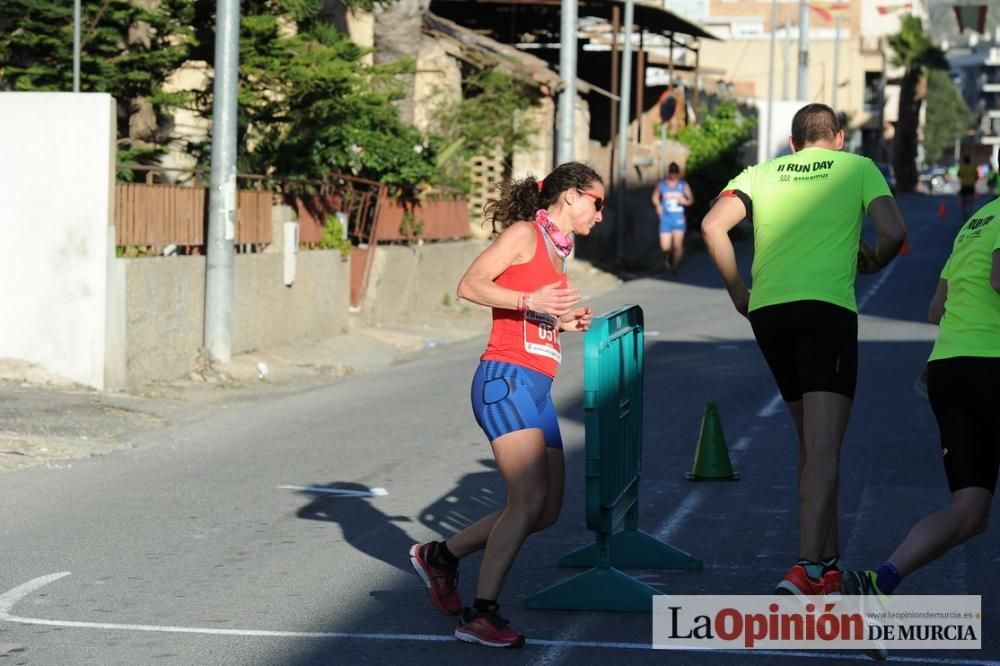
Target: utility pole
<point x="76" y="46"/>
<point x="803" y="51"/>
<point x="623" y="112"/>
<point x="836" y="62"/>
<point x="769" y="146"/>
<point x="567" y="71"/>
<point x="222" y="194"/>
<point x="786" y="88"/>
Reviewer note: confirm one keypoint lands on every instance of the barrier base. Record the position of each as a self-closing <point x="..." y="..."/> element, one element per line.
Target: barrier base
<point x="634" y="549"/>
<point x="597" y="590"/>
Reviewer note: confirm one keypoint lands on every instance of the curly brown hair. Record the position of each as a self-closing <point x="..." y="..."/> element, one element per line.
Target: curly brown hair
<point x="519" y="199"/>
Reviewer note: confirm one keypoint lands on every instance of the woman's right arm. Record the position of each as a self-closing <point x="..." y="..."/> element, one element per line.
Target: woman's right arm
<point x="478" y="284"/>
<point x="516" y="243"/>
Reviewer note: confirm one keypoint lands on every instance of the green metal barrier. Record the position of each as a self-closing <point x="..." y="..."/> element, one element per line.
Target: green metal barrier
<point x="612" y="401"/>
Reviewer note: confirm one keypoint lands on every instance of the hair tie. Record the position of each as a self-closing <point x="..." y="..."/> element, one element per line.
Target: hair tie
<point x="541" y="184"/>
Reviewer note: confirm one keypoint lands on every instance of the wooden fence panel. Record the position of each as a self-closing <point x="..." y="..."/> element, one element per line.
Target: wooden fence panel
<point x="253" y="224"/>
<point x="434" y="218"/>
<point x="312" y="210"/>
<point x="160" y="215"/>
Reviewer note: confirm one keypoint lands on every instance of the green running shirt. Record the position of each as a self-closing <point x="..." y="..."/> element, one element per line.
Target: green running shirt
<point x="971" y="322"/>
<point x="807" y="210"/>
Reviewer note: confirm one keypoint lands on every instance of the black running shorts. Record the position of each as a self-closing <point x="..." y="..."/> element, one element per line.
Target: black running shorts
<point x="809" y="346"/>
<point x="965" y="396"/>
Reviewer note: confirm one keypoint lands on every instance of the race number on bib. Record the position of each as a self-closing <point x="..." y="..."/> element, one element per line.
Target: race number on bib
<point x="541" y="335"/>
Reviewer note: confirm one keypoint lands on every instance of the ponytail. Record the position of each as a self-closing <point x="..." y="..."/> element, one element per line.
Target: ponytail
<point x="519" y="199"/>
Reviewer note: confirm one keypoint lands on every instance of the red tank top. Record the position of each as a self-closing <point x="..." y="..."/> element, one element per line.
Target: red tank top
<point x="529" y="339"/>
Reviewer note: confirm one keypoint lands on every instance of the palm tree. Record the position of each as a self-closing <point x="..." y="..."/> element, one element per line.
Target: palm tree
<point x="914" y="50"/>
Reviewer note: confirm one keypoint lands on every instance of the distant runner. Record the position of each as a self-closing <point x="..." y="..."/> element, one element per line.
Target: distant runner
<point x="670" y="196"/>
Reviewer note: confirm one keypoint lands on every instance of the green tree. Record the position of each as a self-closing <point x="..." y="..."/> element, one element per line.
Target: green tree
<point x="914" y="50"/>
<point x="490" y="116"/>
<point x="947" y="117"/>
<point x="716" y="144"/>
<point x="309" y="105"/>
<point x="129" y="48"/>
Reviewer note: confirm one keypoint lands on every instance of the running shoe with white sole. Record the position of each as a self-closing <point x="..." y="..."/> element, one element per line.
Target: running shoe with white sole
<point x="874" y="605"/>
<point x="798" y="582"/>
<point x="441" y="583"/>
<point x="487" y="628"/>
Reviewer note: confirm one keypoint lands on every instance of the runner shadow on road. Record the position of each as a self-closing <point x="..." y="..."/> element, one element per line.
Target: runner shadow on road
<point x="363" y="525"/>
<point x="377" y="534"/>
<point x="477" y="494"/>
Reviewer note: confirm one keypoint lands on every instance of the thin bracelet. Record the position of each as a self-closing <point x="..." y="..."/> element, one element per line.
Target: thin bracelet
<point x="526" y="304"/>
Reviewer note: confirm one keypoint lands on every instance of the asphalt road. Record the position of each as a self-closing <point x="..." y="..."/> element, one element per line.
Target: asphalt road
<point x="199" y="546"/>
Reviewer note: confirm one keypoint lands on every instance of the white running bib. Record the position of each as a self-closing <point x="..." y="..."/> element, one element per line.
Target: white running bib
<point x="541" y="335"/>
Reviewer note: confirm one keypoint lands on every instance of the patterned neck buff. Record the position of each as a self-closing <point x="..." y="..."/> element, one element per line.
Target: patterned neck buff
<point x="563" y="243"/>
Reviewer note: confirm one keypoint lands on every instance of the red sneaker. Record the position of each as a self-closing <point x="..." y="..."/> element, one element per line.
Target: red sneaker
<point x="441" y="583"/>
<point x="798" y="582"/>
<point x="487" y="629"/>
<point x="831" y="582"/>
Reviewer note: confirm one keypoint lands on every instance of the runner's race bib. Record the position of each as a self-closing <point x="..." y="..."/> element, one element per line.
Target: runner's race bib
<point x="541" y="335"/>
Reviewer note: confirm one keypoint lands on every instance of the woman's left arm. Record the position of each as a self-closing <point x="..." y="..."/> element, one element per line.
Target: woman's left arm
<point x="577" y="321"/>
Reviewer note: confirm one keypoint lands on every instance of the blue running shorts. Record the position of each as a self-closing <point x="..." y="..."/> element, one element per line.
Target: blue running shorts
<point x="507" y="398"/>
<point x="670" y="223"/>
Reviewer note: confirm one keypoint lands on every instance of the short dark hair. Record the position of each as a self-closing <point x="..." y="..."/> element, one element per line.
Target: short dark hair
<point x="814" y="122"/>
<point x="674" y="168"/>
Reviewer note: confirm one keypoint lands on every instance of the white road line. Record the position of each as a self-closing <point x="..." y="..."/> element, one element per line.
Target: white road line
<point x="771" y="408"/>
<point x="671" y="525"/>
<point x="741" y="445"/>
<point x="677" y="517"/>
<point x="555" y="654"/>
<point x="872" y="290"/>
<point x="341" y="492"/>
<point x="10" y="598"/>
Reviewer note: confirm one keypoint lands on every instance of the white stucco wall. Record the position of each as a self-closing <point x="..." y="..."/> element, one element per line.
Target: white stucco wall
<point x="56" y="238"/>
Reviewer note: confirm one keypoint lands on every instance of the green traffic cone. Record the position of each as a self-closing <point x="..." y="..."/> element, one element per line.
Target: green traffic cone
<point x="711" y="459"/>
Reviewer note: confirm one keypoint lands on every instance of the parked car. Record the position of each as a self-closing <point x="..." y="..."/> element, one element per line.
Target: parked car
<point x="937" y="180"/>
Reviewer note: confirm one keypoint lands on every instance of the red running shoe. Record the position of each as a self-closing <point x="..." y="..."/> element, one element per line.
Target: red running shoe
<point x="831" y="582"/>
<point x="798" y="582"/>
<point x="441" y="583"/>
<point x="487" y="628"/>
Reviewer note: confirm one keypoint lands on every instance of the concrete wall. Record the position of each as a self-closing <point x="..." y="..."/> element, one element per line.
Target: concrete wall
<point x="416" y="280"/>
<point x="164" y="299"/>
<point x="267" y="313"/>
<point x="165" y="305"/>
<point x="55" y="249"/>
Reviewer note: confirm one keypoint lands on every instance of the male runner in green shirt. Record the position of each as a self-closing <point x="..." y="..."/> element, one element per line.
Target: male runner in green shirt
<point x="963" y="385"/>
<point x="806" y="210"/>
